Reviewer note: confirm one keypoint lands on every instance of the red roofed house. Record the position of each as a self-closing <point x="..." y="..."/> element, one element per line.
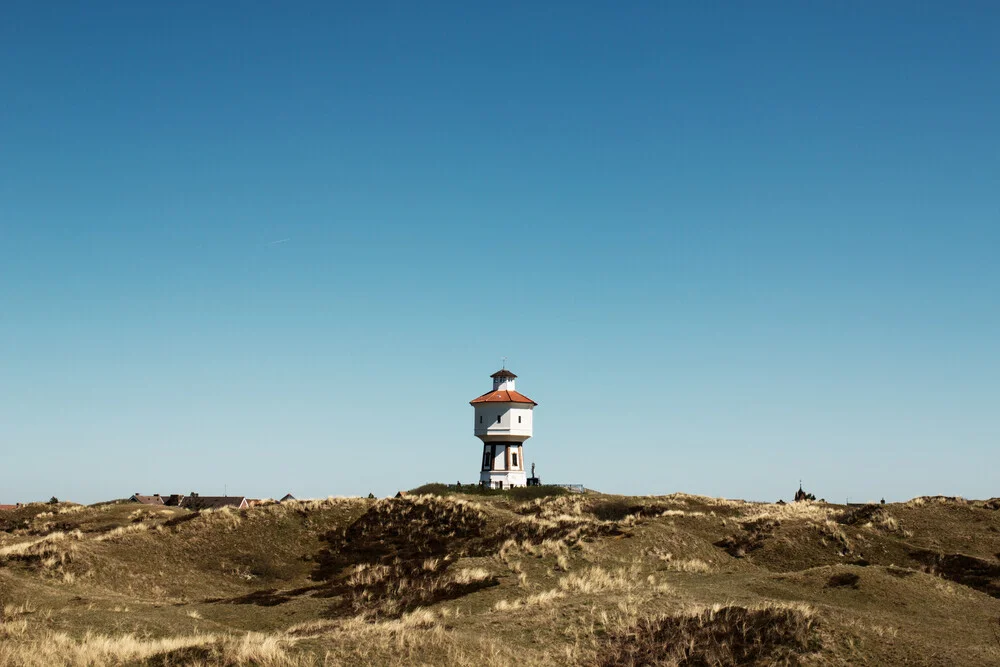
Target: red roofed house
<point x="503" y="423"/>
<point x="197" y="503"/>
<point x="154" y="499"/>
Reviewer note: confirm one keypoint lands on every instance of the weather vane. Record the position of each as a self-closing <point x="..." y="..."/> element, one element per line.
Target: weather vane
<point x="503" y="365"/>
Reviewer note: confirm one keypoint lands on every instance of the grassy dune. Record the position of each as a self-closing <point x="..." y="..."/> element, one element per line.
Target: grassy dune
<point x="499" y="580"/>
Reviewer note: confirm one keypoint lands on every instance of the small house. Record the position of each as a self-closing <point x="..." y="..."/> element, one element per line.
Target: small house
<point x="154" y="499"/>
<point x="197" y="503"/>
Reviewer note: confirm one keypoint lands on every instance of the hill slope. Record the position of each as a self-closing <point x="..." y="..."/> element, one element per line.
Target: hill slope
<point x="591" y="579"/>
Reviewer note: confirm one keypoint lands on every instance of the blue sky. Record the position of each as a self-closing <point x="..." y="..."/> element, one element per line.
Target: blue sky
<point x="272" y="248"/>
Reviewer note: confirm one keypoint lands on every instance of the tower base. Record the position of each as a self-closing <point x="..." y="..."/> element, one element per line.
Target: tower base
<point x="503" y="479"/>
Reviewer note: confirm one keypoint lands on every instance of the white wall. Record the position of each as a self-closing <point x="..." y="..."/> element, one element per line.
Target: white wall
<point x="513" y="478"/>
<point x="504" y="384"/>
<point x="500" y="460"/>
<point x="485" y="419"/>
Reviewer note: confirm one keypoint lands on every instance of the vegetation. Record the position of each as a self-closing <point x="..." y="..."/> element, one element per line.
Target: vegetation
<point x="517" y="493"/>
<point x="767" y="635"/>
<point x="492" y="578"/>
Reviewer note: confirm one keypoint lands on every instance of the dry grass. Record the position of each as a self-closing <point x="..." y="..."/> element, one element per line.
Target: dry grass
<point x="50" y="552"/>
<point x="470" y="575"/>
<point x="754" y="534"/>
<point x="430" y="580"/>
<point x="764" y="636"/>
<point x="799" y="511"/>
<point x="99" y="650"/>
<point x="681" y="513"/>
<point x="692" y="565"/>
<point x="599" y="580"/>
<point x="398" y="556"/>
<point x="417" y="638"/>
<point x="13" y="621"/>
<point x="118" y="533"/>
<point x="538" y="600"/>
<point x="834" y="531"/>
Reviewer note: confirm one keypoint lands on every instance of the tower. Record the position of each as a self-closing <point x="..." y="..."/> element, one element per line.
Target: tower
<point x="503" y="423"/>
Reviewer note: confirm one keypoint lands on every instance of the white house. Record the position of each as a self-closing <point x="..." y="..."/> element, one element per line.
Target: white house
<point x="503" y="423"/>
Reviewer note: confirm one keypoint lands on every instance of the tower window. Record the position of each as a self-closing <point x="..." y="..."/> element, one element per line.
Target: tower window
<point x="498" y="419"/>
<point x="480" y="419"/>
<point x="514" y="459"/>
<point x="519" y="419"/>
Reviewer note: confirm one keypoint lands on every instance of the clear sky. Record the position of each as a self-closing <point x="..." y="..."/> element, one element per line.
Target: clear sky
<point x="279" y="248"/>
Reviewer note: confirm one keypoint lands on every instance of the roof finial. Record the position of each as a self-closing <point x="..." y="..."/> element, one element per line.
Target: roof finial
<point x="503" y="364"/>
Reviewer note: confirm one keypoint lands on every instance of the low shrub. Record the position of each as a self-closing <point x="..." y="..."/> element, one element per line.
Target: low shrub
<point x="718" y="636"/>
<point x="843" y="580"/>
<point x="753" y="537"/>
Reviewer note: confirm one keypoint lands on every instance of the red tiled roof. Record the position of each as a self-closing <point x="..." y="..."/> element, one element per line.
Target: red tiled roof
<point x="502" y="396"/>
<point x="8" y="507"/>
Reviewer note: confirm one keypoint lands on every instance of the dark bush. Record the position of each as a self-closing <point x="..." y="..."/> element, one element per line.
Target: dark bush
<point x="859" y="516"/>
<point x="397" y="537"/>
<point x="843" y="580"/>
<point x="753" y="537"/>
<point x="983" y="575"/>
<point x="729" y="636"/>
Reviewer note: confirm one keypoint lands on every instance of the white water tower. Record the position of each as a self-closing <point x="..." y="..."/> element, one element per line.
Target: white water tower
<point x="503" y="423"/>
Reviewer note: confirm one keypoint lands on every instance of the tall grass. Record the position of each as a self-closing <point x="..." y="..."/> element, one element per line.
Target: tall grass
<point x="100" y="650"/>
<point x="765" y="636"/>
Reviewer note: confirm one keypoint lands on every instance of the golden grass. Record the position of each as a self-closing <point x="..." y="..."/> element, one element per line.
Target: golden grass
<point x="470" y="575"/>
<point x="13" y="624"/>
<point x="681" y="513"/>
<point x="100" y="650"/>
<point x="804" y="510"/>
<point x="691" y="565"/>
<point x="537" y="600"/>
<point x="54" y="548"/>
<point x="834" y="530"/>
<point x="116" y="534"/>
<point x="600" y="580"/>
<point x="766" y="635"/>
<point x="422" y="637"/>
<point x="421" y="573"/>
